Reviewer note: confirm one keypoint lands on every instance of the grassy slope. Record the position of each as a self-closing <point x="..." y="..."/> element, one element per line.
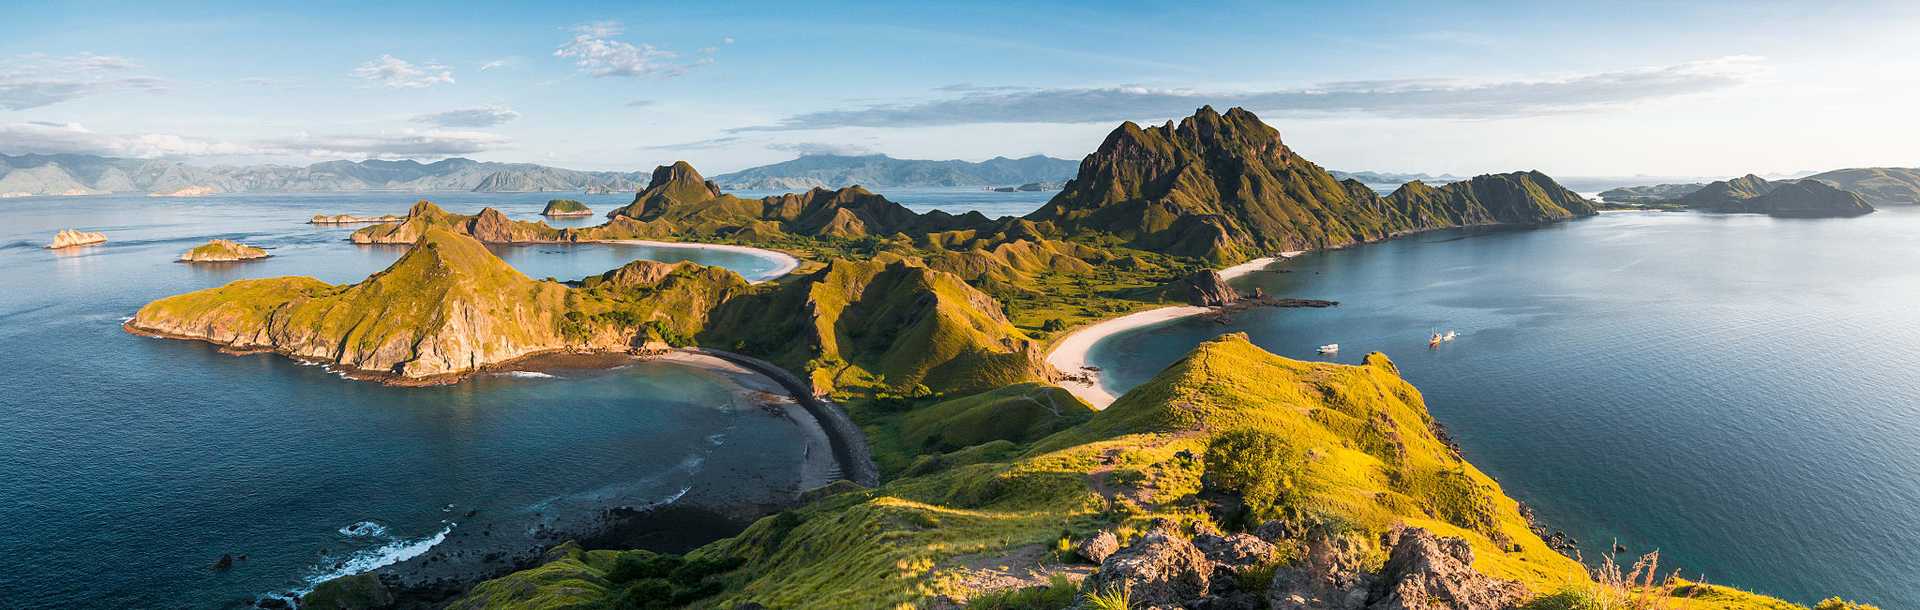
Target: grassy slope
<point x="447" y="306"/>
<point x="1372" y="462"/>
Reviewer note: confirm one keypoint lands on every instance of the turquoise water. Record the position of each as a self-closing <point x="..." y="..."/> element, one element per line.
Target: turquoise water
<point x="1738" y="392"/>
<point x="128" y="465"/>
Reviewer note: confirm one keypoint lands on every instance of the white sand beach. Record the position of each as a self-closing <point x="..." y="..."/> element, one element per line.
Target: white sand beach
<point x="1069" y="356"/>
<point x="784" y="263"/>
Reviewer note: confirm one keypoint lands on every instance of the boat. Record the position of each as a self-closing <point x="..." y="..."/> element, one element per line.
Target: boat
<point x="1449" y="336"/>
<point x="1330" y="348"/>
<point x="1435" y="341"/>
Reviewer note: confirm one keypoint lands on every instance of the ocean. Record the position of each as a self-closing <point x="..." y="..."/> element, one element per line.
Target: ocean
<point x="1735" y="391"/>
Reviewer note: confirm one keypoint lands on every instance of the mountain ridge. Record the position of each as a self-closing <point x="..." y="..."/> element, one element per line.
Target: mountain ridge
<point x="881" y="171"/>
<point x="74" y="174"/>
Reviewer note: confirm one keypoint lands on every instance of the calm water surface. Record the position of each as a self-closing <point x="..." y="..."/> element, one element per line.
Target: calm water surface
<point x="1736" y="391"/>
<point x="128" y="465"/>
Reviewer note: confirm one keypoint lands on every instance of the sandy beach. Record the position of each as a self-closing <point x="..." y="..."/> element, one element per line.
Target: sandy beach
<point x="1069" y="356"/>
<point x="786" y="263"/>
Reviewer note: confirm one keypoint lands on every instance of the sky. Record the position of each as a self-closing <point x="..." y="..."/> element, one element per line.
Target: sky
<point x="1615" y="88"/>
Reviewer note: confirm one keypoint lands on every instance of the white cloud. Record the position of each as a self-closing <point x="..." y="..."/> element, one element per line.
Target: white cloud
<point x="1413" y="98"/>
<point x="594" y="51"/>
<point x="469" y="117"/>
<point x="399" y="73"/>
<point x="407" y="144"/>
<point x="56" y="138"/>
<point x="37" y="79"/>
<point x="498" y="63"/>
<point x="640" y="103"/>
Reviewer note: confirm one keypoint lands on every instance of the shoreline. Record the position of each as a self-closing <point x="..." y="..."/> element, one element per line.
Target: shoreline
<point x="783" y="263"/>
<point x="490" y="544"/>
<point x="1069" y="354"/>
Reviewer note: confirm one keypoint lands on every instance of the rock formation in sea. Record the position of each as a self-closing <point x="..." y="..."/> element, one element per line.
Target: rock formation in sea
<point x="564" y="208"/>
<point x="1207" y="289"/>
<point x="222" y="251"/>
<point x="70" y="238"/>
<point x="1792" y="199"/>
<point x="1224" y="188"/>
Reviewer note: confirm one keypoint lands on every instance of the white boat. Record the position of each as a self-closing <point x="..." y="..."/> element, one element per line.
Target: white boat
<point x="1330" y="348"/>
<point x="1449" y="336"/>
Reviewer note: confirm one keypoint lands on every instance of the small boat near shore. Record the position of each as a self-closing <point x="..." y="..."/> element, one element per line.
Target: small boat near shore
<point x="1330" y="348"/>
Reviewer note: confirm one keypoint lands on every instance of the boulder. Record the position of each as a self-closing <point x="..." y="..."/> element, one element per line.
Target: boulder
<point x="356" y="592"/>
<point x="1425" y="572"/>
<point x="1160" y="569"/>
<point x="1236" y="554"/>
<point x="1208" y="289"/>
<point x="1331" y="575"/>
<point x="1098" y="547"/>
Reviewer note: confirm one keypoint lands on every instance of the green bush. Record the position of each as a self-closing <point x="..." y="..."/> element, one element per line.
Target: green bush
<point x="1260" y="467"/>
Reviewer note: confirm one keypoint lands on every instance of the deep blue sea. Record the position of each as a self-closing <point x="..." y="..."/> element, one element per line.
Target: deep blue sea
<point x="1740" y="392"/>
<point x="128" y="465"/>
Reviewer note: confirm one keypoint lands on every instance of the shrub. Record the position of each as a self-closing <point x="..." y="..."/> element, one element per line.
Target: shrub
<point x="1054" y="325"/>
<point x="1835" y="603"/>
<point x="1111" y="598"/>
<point x="1261" y="467"/>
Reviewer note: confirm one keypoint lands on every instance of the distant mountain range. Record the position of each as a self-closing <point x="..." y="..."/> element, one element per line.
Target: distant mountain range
<point x="881" y="171"/>
<point x="1874" y="185"/>
<point x="92" y="175"/>
<point x="1395" y="178"/>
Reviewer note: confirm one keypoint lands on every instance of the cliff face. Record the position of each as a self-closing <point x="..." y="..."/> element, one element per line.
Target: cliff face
<point x="1224" y="188"/>
<point x="1790" y="199"/>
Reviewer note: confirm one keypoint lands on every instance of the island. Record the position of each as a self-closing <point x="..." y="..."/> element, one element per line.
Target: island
<point x="565" y="208"/>
<point x="348" y="219"/>
<point x="1235" y="478"/>
<point x="1791" y="199"/>
<point x="70" y="238"/>
<point x="222" y="251"/>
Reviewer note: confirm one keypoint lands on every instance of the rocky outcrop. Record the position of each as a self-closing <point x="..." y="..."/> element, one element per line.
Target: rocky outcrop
<point x="1224" y="188"/>
<point x="1098" y="547"/>
<point x="1425" y="572"/>
<point x="222" y="251"/>
<point x="565" y="208"/>
<point x="69" y="238"/>
<point x="1207" y="289"/>
<point x="672" y="185"/>
<point x="356" y="592"/>
<point x="1422" y="572"/>
<point x="1162" y="568"/>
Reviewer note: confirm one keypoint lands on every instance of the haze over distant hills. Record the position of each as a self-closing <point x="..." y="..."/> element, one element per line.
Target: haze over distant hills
<point x="92" y="175"/>
<point x="881" y="171"/>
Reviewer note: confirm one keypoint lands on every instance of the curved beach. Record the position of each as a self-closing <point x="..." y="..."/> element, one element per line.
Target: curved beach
<point x="783" y="263"/>
<point x="1069" y="355"/>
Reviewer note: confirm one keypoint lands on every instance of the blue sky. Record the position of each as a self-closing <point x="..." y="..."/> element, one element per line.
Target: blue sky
<point x="1611" y="88"/>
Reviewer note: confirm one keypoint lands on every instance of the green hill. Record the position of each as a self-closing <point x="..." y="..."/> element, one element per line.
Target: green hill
<point x="1366" y="453"/>
<point x="1794" y="198"/>
<point x="1224" y="188"/>
<point x="1877" y="185"/>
